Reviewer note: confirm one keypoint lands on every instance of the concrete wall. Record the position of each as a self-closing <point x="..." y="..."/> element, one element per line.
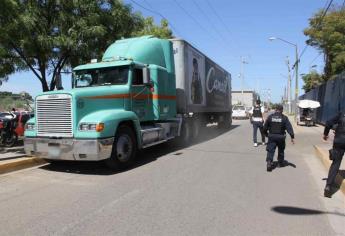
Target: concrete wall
<point x="248" y="98"/>
<point x="331" y="96"/>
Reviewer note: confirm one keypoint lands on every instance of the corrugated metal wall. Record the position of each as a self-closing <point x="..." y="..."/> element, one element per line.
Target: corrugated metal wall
<point x="331" y="96"/>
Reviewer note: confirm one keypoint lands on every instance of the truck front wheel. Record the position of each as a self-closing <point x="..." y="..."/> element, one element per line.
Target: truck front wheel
<point x="124" y="149"/>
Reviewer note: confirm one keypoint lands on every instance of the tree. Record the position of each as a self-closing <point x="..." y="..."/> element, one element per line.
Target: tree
<point x="327" y="34"/>
<point x="149" y="27"/>
<point x="50" y="36"/>
<point x="312" y="80"/>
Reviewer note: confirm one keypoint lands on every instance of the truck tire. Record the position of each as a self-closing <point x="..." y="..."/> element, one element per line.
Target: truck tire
<point x="226" y="123"/>
<point x="185" y="135"/>
<point x="124" y="149"/>
<point x="11" y="140"/>
<point x="195" y="129"/>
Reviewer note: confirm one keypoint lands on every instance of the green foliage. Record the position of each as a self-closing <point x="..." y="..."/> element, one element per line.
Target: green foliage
<point x="48" y="37"/>
<point x="149" y="28"/>
<point x="328" y="36"/>
<point x="9" y="100"/>
<point x="312" y="80"/>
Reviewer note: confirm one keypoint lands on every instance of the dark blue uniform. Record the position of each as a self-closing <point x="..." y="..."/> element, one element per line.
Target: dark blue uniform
<point x="275" y="127"/>
<point x="337" y="153"/>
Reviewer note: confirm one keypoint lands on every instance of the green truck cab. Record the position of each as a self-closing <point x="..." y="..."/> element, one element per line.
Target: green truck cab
<point x="128" y="101"/>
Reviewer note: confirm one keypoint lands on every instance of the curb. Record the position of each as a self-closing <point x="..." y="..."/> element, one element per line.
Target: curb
<point x="19" y="164"/>
<point x="323" y="156"/>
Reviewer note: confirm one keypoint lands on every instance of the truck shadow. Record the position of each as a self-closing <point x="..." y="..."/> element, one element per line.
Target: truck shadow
<point x="144" y="157"/>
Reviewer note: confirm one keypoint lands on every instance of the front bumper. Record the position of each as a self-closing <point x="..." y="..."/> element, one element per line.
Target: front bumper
<point x="69" y="149"/>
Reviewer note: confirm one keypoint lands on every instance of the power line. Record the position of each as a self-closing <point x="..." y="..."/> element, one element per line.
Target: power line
<point x="157" y="13"/>
<point x="209" y="20"/>
<point x="193" y="18"/>
<point x="148" y="4"/>
<point x="325" y="12"/>
<point x="220" y="18"/>
<point x="320" y="22"/>
<point x="315" y="59"/>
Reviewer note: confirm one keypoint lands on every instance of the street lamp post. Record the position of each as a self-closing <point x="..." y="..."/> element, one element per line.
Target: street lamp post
<point x="294" y="66"/>
<point x="289" y="85"/>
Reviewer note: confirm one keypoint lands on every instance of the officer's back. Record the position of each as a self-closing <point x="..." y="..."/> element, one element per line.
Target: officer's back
<point x="276" y="125"/>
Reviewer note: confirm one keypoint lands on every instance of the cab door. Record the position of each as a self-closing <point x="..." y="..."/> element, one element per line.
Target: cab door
<point x="141" y="96"/>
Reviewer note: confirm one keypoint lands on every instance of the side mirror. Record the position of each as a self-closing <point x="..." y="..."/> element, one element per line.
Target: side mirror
<point x="146" y="76"/>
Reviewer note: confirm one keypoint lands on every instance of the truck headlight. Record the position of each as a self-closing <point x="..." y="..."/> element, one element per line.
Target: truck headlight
<point x="30" y="126"/>
<point x="98" y="127"/>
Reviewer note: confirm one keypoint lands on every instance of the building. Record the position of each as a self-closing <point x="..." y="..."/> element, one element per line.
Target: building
<point x="247" y="98"/>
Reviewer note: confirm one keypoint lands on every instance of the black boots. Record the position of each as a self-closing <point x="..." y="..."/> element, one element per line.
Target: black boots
<point x="328" y="191"/>
<point x="269" y="166"/>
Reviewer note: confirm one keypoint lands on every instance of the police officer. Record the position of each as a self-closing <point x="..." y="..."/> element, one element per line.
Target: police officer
<point x="257" y="120"/>
<point x="336" y="154"/>
<point x="275" y="127"/>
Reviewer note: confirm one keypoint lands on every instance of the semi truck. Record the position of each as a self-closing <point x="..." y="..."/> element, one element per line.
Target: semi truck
<point x="144" y="91"/>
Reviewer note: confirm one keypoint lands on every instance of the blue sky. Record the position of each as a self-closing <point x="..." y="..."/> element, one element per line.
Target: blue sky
<point x="249" y="24"/>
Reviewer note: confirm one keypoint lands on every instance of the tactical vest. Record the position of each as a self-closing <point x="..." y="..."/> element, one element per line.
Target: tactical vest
<point x="277" y="126"/>
<point x="257" y="112"/>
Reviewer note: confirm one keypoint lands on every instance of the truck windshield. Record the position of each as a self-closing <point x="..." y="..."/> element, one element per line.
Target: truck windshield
<point x="100" y="77"/>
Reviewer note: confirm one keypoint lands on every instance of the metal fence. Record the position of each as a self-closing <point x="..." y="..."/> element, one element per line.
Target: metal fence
<point x="331" y="96"/>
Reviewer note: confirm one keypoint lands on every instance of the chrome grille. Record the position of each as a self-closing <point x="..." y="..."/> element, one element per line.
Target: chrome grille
<point x="54" y="115"/>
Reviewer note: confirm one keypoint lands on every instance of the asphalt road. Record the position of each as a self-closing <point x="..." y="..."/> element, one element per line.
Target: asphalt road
<point x="218" y="186"/>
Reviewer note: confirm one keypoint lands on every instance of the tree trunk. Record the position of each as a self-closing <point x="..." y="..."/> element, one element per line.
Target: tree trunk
<point x="45" y="87"/>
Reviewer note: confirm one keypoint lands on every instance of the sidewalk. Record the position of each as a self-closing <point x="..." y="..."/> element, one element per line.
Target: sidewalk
<point x="321" y="149"/>
<point x="12" y="159"/>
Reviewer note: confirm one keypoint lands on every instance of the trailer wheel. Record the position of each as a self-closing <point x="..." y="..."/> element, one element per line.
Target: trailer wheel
<point x="195" y="129"/>
<point x="124" y="149"/>
<point x="225" y="123"/>
<point x="185" y="135"/>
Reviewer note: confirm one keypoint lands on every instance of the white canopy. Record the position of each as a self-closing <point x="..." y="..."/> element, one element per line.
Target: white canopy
<point x="308" y="104"/>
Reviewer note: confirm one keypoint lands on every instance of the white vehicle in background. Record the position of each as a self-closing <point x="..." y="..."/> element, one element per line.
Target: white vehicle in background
<point x="239" y="112"/>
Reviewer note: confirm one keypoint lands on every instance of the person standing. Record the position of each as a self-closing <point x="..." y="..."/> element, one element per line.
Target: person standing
<point x="337" y="152"/>
<point x="275" y="128"/>
<point x="257" y="120"/>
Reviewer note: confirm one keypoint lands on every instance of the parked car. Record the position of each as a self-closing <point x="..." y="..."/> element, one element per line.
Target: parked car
<point x="239" y="112"/>
<point x="249" y="111"/>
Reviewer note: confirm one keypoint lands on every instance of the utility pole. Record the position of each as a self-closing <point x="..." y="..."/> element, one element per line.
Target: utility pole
<point x="267" y="94"/>
<point x="295" y="66"/>
<point x="289" y="86"/>
<point x="296" y="83"/>
<point x="243" y="61"/>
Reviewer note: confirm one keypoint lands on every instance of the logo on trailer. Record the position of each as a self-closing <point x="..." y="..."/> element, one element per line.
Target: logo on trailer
<point x="217" y="85"/>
